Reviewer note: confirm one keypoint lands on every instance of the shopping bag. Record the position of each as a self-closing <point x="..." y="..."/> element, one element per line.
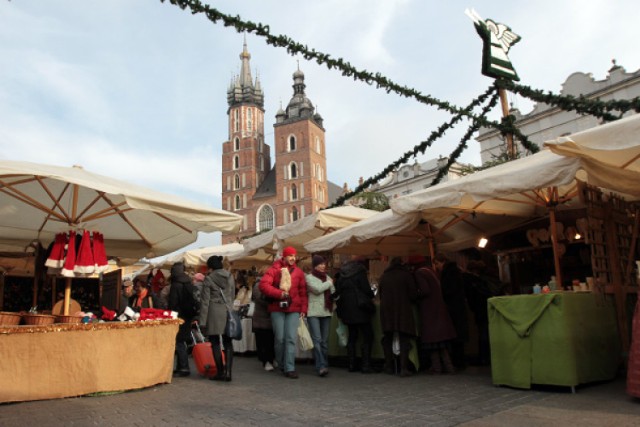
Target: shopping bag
<point x="304" y="337"/>
<point x="233" y="329"/>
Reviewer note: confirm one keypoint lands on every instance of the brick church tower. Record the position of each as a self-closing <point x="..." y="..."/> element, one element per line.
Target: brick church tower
<point x="301" y="162"/>
<point x="297" y="184"/>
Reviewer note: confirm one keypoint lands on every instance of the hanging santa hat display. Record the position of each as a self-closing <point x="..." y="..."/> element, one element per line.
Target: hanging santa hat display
<point x="70" y="259"/>
<point x="56" y="257"/>
<point x="99" y="253"/>
<point x="84" y="260"/>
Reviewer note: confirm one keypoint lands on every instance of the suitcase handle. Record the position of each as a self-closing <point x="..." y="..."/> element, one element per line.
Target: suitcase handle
<point x="197" y="337"/>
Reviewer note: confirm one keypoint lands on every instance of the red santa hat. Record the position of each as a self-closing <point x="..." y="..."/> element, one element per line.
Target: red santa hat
<point x="85" y="263"/>
<point x="289" y="250"/>
<point x="56" y="257"/>
<point x="70" y="259"/>
<point x="99" y="253"/>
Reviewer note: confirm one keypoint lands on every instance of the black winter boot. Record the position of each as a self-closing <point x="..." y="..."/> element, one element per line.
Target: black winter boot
<point x="228" y="355"/>
<point x="217" y="357"/>
<point x="351" y="354"/>
<point x="389" y="363"/>
<point x="366" y="359"/>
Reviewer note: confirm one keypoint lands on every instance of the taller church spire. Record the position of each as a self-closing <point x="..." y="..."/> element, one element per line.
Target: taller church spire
<point x="242" y="88"/>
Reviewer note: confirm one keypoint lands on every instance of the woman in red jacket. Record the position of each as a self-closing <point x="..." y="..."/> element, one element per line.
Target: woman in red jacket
<point x="285" y="285"/>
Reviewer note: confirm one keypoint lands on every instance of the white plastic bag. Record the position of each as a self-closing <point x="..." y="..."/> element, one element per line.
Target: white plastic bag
<point x="304" y="337"/>
<point x="343" y="334"/>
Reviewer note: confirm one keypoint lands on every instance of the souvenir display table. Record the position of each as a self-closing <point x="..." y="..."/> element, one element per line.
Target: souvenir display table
<point x="64" y="360"/>
<point x="559" y="338"/>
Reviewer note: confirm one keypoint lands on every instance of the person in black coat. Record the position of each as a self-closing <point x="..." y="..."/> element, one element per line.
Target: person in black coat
<point x="454" y="297"/>
<point x="182" y="301"/>
<point x="355" y="309"/>
<point x="398" y="292"/>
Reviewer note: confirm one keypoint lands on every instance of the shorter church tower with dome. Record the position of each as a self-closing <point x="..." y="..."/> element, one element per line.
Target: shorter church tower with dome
<point x="296" y="185"/>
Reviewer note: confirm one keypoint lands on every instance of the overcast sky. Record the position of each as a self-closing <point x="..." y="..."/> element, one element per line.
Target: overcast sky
<point x="137" y="89"/>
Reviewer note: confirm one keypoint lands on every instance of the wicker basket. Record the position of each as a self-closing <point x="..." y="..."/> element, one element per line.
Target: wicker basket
<point x="9" y="319"/>
<point x="38" y="319"/>
<point x="60" y="318"/>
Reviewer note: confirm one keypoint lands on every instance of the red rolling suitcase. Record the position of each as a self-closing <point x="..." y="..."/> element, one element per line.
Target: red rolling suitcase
<point x="203" y="356"/>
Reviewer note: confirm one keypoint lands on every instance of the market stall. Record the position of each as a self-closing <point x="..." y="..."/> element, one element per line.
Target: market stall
<point x="560" y="338"/>
<point x="51" y="205"/>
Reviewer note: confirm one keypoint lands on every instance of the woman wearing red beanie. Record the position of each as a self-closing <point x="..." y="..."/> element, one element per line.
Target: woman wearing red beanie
<point x="284" y="283"/>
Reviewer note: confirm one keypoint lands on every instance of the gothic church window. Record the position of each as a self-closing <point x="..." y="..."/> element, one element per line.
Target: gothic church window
<point x="294" y="214"/>
<point x="265" y="218"/>
<point x="236" y="181"/>
<point x="236" y="144"/>
<point x="249" y="120"/>
<point x="236" y="162"/>
<point x="294" y="192"/>
<point x="293" y="170"/>
<point x="237" y="203"/>
<point x="292" y="143"/>
<point x="236" y="120"/>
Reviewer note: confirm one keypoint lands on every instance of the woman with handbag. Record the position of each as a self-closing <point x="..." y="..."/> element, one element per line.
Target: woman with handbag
<point x="217" y="289"/>
<point x="320" y="287"/>
<point x="285" y="285"/>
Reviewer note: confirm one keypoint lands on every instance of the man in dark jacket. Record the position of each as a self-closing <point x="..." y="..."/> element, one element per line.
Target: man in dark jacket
<point x="181" y="300"/>
<point x="355" y="309"/>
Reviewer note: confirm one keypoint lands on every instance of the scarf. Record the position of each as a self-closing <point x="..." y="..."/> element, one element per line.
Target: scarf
<point x="328" y="303"/>
<point x="141" y="297"/>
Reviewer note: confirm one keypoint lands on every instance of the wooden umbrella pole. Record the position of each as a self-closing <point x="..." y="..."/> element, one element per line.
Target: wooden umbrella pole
<point x="554" y="244"/>
<point x="67" y="295"/>
<point x="511" y="152"/>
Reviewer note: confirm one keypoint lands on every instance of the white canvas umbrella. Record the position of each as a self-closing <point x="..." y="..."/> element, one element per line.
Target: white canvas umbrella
<point x="199" y="256"/>
<point x="39" y="201"/>
<point x="385" y="233"/>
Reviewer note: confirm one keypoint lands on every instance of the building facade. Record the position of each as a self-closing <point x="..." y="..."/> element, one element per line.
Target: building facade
<point x="418" y="176"/>
<point x="545" y="122"/>
<point x="296" y="185"/>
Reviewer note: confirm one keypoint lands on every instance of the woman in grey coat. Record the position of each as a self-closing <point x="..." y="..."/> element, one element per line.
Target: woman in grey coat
<point x="213" y="314"/>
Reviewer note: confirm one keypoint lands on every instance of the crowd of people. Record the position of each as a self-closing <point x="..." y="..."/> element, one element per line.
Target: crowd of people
<point x="422" y="304"/>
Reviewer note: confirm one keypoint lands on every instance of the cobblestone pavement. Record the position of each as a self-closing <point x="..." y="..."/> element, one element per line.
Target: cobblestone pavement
<point x="256" y="397"/>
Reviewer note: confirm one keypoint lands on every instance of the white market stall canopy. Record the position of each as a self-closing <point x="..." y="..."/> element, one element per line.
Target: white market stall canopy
<point x="299" y="232"/>
<point x="38" y="201"/>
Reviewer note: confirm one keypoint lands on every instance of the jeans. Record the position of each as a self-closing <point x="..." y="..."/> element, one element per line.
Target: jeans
<point x="285" y="331"/>
<point x="319" y="330"/>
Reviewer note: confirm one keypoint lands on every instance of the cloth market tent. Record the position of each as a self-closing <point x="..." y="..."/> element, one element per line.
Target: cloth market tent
<point x="299" y="232"/>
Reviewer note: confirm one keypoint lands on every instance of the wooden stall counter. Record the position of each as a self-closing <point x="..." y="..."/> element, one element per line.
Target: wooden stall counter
<point x="65" y="360"/>
<point x="563" y="338"/>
